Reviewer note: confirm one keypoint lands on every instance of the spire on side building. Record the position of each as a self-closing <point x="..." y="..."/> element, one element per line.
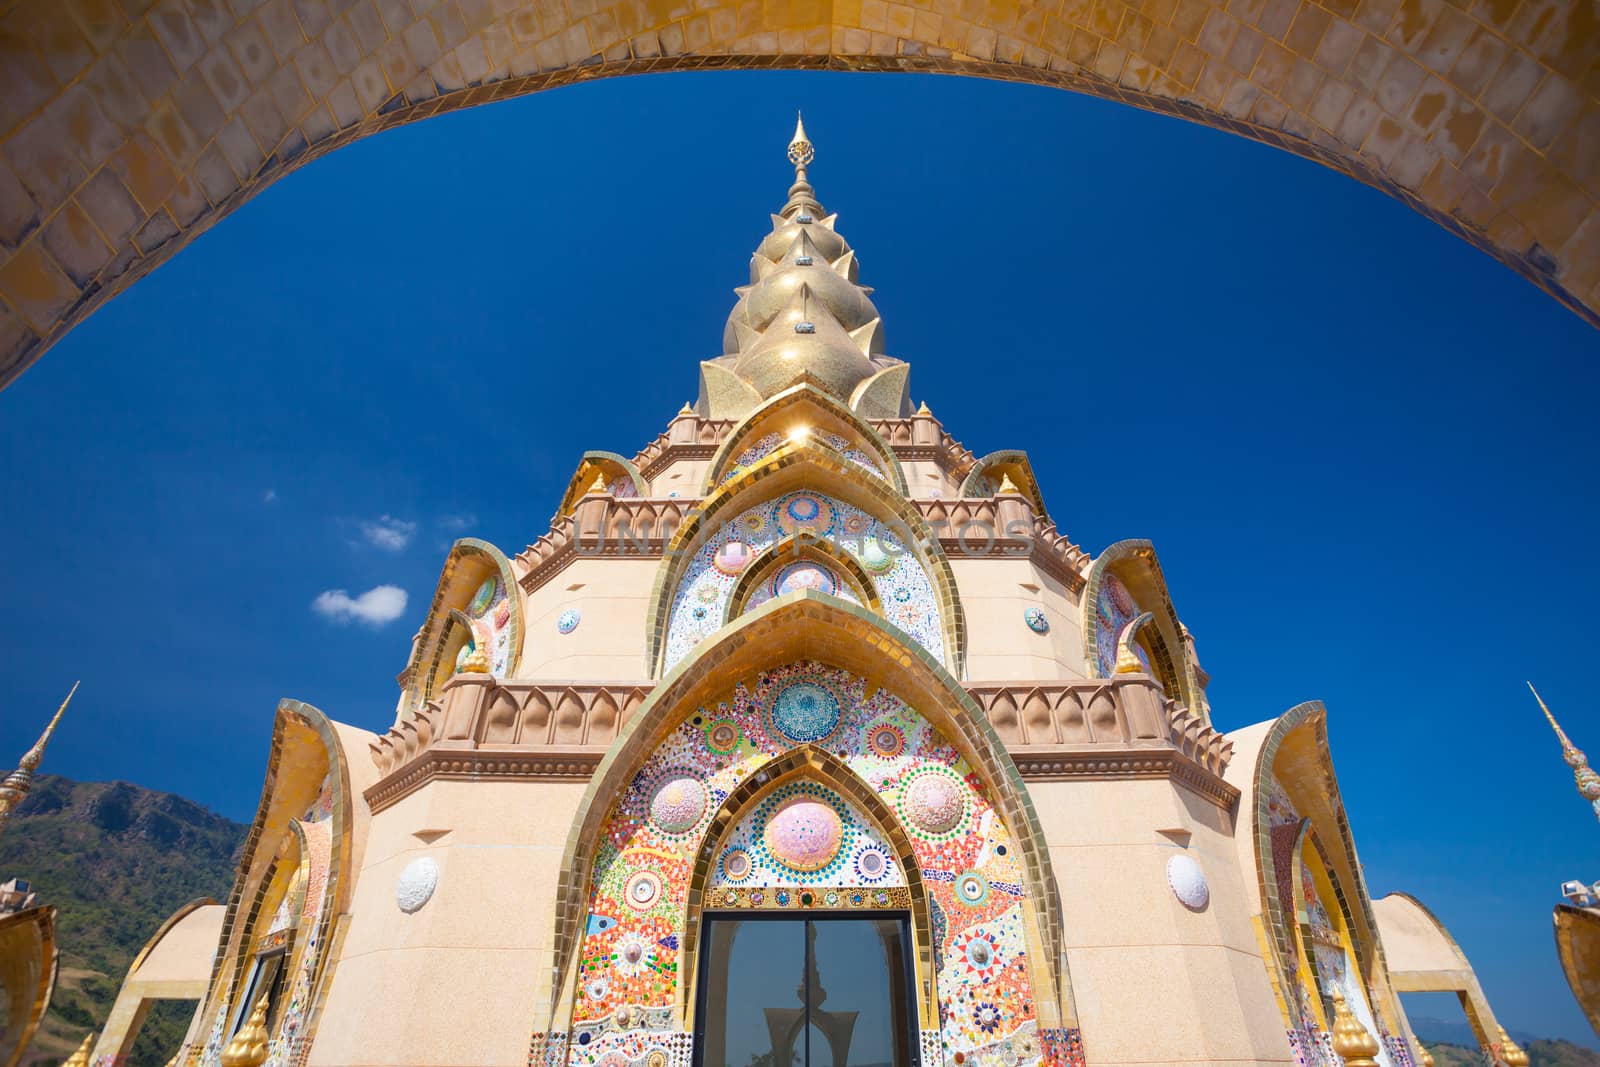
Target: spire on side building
<point x="19" y="781"/>
<point x="803" y="318"/>
<point x="1586" y="779"/>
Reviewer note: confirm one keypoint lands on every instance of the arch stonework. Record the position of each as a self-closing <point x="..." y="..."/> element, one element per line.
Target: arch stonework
<point x="126" y="130"/>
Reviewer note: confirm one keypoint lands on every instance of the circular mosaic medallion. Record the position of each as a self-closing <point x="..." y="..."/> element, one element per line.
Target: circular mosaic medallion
<point x="655" y="1058"/>
<point x="678" y="804"/>
<point x="854" y="524"/>
<point x="754" y="522"/>
<point x="875" y="557"/>
<point x="886" y="740"/>
<point x="732" y="557"/>
<point x="482" y="598"/>
<point x="723" y="736"/>
<point x="642" y="890"/>
<point x="981" y="952"/>
<point x="632" y="955"/>
<point x="805" y="712"/>
<point x="804" y="575"/>
<point x="1036" y="620"/>
<point x="596" y="988"/>
<point x="804" y="512"/>
<point x="736" y="865"/>
<point x="707" y="593"/>
<point x="972" y="889"/>
<point x="872" y="865"/>
<point x="934" y="801"/>
<point x="568" y="621"/>
<point x="804" y="834"/>
<point x="1188" y="882"/>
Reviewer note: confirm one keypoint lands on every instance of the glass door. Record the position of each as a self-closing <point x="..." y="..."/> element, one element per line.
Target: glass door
<point x="805" y="991"/>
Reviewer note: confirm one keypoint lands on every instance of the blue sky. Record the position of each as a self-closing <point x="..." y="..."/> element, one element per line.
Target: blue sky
<point x="1360" y="445"/>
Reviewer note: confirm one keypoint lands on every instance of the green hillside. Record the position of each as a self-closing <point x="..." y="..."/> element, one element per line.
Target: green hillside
<point x="1540" y="1054"/>
<point x="115" y="860"/>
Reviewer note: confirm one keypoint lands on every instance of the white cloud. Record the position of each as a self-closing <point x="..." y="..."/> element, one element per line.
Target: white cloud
<point x="269" y="496"/>
<point x="389" y="533"/>
<point x="457" y="523"/>
<point x="379" y="605"/>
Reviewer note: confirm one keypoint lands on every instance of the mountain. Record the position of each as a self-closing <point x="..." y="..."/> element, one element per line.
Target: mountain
<point x="115" y="860"/>
<point x="1541" y="1053"/>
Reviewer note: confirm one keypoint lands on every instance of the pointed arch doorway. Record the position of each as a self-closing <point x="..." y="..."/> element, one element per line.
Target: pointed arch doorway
<point x="806" y="989"/>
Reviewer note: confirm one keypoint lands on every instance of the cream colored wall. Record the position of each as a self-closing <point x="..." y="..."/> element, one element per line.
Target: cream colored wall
<point x="1000" y="646"/>
<point x="455" y="983"/>
<point x="185" y="953"/>
<point x="925" y="480"/>
<point x="684" y="477"/>
<point x="613" y="598"/>
<point x="1154" y="981"/>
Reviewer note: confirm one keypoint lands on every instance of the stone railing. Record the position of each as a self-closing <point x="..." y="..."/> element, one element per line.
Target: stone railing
<point x="604" y="525"/>
<point x="481" y="727"/>
<point x="978" y="527"/>
<point x="688" y="436"/>
<point x="1123" y="727"/>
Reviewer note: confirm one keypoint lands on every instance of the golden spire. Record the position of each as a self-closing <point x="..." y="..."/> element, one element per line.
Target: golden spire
<point x="801" y="150"/>
<point x="80" y="1058"/>
<point x="1424" y="1057"/>
<point x="19" y="781"/>
<point x="249" y="1046"/>
<point x="1511" y="1052"/>
<point x="1587" y="781"/>
<point x="1353" y="1042"/>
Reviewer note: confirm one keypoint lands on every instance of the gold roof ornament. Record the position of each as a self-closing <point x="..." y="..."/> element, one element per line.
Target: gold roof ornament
<point x="19" y="781"/>
<point x="1511" y="1052"/>
<point x="1583" y="776"/>
<point x="249" y="1046"/>
<point x="80" y="1058"/>
<point x="801" y="150"/>
<point x="1424" y="1057"/>
<point x="1354" y="1044"/>
<point x="1128" y="658"/>
<point x="598" y="485"/>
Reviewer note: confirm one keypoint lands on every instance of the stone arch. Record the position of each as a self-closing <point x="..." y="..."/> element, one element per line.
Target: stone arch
<point x="984" y="477"/>
<point x="785" y="410"/>
<point x="622" y="478"/>
<point x="468" y="565"/>
<point x="797" y="547"/>
<point x="1133" y="562"/>
<point x="809" y="626"/>
<point x="309" y="781"/>
<point x="126" y="137"/>
<point x="794" y="467"/>
<point x="810" y="761"/>
<point x="1424" y="958"/>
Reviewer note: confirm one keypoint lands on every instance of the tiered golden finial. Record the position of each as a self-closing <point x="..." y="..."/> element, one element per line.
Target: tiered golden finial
<point x="1424" y="1057"/>
<point x="1511" y="1052"/>
<point x="249" y="1046"/>
<point x="1007" y="487"/>
<point x="19" y="781"/>
<point x="1587" y="781"/>
<point x="1352" y="1041"/>
<point x="801" y="150"/>
<point x="80" y="1058"/>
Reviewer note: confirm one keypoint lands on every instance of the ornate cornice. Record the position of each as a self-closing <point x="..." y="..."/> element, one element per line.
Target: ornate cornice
<point x="1095" y="763"/>
<point x="555" y="763"/>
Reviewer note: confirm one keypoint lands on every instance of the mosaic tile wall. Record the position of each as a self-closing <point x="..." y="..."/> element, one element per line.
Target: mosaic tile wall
<point x="1335" y="965"/>
<point x="903" y="587"/>
<point x="490" y="613"/>
<point x="805" y="834"/>
<point x="769" y="444"/>
<point x="1114" y="609"/>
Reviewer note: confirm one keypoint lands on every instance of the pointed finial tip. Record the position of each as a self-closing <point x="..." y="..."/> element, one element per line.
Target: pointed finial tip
<point x="801" y="151"/>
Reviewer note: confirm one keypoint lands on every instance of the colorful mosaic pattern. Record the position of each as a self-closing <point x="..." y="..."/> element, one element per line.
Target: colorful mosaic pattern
<point x="772" y="441"/>
<point x="490" y="613"/>
<point x="804" y="834"/>
<point x="1332" y="957"/>
<point x="904" y="590"/>
<point x="1114" y="609"/>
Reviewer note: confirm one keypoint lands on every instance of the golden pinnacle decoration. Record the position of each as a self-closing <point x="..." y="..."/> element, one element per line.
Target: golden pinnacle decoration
<point x="1355" y="1046"/>
<point x="1007" y="487"/>
<point x="801" y="151"/>
<point x="1587" y="781"/>
<point x="249" y="1046"/>
<point x="1511" y="1052"/>
<point x="19" y="781"/>
<point x="80" y="1058"/>
<point x="598" y="485"/>
<point x="1424" y="1057"/>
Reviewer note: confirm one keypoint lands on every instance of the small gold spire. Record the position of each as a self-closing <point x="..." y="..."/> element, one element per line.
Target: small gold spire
<point x="687" y="409"/>
<point x="801" y="150"/>
<point x="923" y="410"/>
<point x="598" y="485"/>
<point x="1424" y="1057"/>
<point x="1007" y="487"/>
<point x="80" y="1058"/>
<point x="18" y="782"/>
<point x="249" y="1046"/>
<point x="1355" y="1046"/>
<point x="1511" y="1052"/>
<point x="1583" y="776"/>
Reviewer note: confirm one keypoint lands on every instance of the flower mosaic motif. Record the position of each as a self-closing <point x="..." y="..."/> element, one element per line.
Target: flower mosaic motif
<point x="803" y="843"/>
<point x="568" y="621"/>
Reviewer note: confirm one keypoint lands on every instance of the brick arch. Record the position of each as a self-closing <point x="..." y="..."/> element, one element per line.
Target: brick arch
<point x="125" y="135"/>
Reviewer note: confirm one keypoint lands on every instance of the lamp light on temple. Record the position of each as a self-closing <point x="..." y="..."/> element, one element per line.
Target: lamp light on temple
<point x="800" y="434"/>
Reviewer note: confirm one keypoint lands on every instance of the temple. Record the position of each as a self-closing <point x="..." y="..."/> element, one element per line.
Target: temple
<point x="804" y="736"/>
